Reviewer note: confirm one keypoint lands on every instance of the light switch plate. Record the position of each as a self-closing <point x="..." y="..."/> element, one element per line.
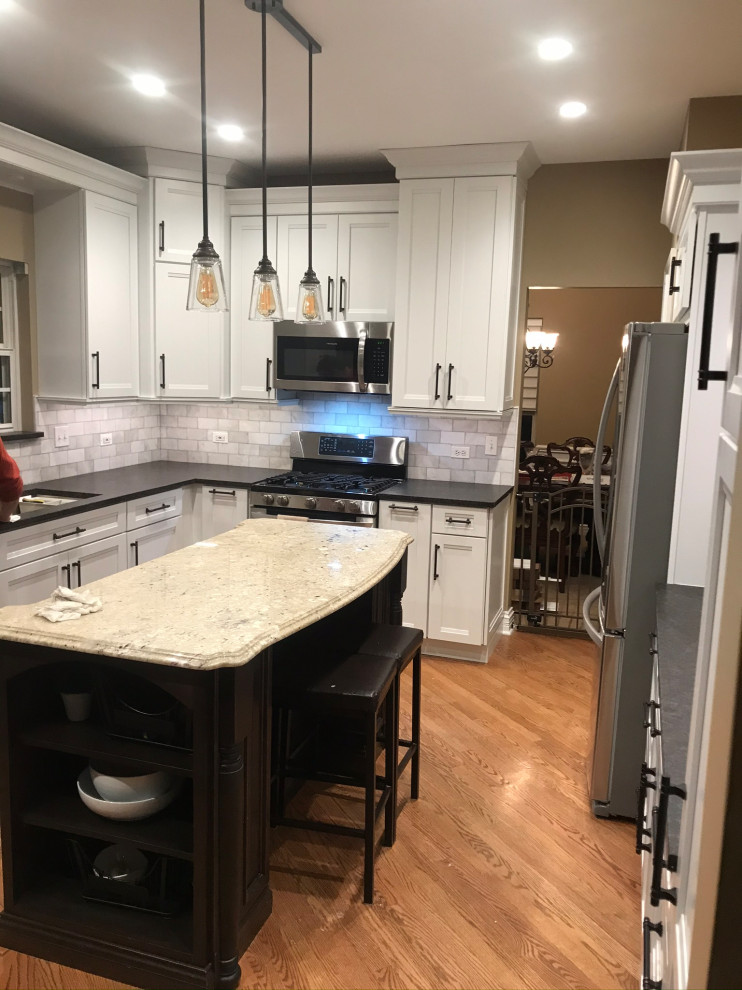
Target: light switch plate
<point x="219" y="436"/>
<point x="61" y="436"/>
<point x="490" y="445"/>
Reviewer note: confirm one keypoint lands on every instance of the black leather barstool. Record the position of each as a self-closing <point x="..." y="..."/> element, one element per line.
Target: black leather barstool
<point x="362" y="686"/>
<point x="404" y="646"/>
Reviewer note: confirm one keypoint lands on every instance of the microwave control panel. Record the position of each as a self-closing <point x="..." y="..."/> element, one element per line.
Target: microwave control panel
<point x="376" y="364"/>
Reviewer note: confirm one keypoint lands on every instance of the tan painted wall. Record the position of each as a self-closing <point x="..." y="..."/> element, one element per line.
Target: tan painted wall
<point x="590" y="324"/>
<point x="17" y="244"/>
<point x="713" y="122"/>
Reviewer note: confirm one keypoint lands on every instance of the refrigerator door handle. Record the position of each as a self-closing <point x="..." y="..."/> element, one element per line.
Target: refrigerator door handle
<point x="597" y="493"/>
<point x="595" y="634"/>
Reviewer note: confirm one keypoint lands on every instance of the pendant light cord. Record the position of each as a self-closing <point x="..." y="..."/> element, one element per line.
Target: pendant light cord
<point x="309" y="191"/>
<point x="204" y="184"/>
<point x="265" y="118"/>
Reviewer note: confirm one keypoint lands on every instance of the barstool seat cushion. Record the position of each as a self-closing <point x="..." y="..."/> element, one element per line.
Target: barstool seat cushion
<point x="396" y="642"/>
<point x="354" y="683"/>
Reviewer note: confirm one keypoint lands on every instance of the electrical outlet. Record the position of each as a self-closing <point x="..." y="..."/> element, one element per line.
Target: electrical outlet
<point x="219" y="436"/>
<point x="460" y="452"/>
<point x="61" y="436"/>
<point x="106" y="439"/>
<point x="490" y="445"/>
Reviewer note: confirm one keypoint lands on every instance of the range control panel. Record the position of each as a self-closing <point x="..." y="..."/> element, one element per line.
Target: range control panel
<point x="346" y="446"/>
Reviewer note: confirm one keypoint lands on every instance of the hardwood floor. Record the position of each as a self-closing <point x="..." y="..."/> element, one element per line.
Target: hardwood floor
<point x="500" y="876"/>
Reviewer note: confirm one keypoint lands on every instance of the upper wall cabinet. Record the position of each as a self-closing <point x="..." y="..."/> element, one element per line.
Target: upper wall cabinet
<point x="458" y="275"/>
<point x="178" y="217"/>
<point x="251" y="340"/>
<point x="86" y="296"/>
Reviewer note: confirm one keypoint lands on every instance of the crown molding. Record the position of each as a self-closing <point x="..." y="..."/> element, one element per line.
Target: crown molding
<point x="449" y="161"/>
<point x="690" y="170"/>
<point x="164" y="163"/>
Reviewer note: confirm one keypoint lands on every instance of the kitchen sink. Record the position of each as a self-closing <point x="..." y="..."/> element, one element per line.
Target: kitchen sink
<point x="42" y="498"/>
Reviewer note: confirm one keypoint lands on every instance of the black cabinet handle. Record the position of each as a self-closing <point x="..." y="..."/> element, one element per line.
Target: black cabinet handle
<point x="66" y="569"/>
<point x="437" y="380"/>
<point x="162" y="235"/>
<point x="647" y="928"/>
<point x="162" y="371"/>
<point x="135" y="547"/>
<point x="330" y="294"/>
<point x="450" y="375"/>
<point x="658" y="892"/>
<point x="650" y="707"/>
<point x="435" y="562"/>
<point x="341" y="302"/>
<point x="268" y="365"/>
<point x="714" y="250"/>
<point x="404" y="508"/>
<point x="219" y="491"/>
<point x="73" y="532"/>
<point x="461" y="520"/>
<point x="158" y="508"/>
<point x="96" y="358"/>
<point x="641" y="831"/>
<point x="674" y="265"/>
<point x="78" y="565"/>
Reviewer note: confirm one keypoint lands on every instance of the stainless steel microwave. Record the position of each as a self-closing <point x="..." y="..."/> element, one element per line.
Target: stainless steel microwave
<point x="333" y="357"/>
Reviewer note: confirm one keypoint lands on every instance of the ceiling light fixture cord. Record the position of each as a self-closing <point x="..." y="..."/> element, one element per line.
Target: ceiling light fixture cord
<point x="202" y="14"/>
<point x="265" y="144"/>
<point x="309" y="193"/>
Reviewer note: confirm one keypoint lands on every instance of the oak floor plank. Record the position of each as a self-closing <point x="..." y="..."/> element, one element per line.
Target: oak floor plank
<point x="500" y="876"/>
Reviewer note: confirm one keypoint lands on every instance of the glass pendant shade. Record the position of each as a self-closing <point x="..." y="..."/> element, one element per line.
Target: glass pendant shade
<point x="309" y="308"/>
<point x="265" y="302"/>
<point x="206" y="289"/>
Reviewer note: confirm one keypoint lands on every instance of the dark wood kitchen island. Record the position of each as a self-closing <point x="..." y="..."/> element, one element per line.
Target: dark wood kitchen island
<point x="178" y="662"/>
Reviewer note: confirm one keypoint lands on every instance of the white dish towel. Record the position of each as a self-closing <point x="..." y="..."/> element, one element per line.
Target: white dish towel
<point x="67" y="604"/>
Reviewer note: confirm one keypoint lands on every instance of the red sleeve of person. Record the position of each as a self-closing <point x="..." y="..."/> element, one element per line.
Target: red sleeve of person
<point x="11" y="485"/>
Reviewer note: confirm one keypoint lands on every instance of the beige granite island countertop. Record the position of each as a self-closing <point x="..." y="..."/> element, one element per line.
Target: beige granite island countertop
<point x="222" y="601"/>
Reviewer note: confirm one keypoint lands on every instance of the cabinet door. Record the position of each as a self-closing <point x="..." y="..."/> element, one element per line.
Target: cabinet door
<point x="222" y="508"/>
<point x="112" y="297"/>
<point x="179" y="219"/>
<point x="251" y="340"/>
<point x="190" y="345"/>
<point x="291" y="262"/>
<point x="421" y="301"/>
<point x="29" y="583"/>
<point x="152" y="541"/>
<point x="479" y="300"/>
<point x="457" y="589"/>
<point x="367" y="264"/>
<point x="678" y="280"/>
<point x="98" y="560"/>
<point x="412" y="518"/>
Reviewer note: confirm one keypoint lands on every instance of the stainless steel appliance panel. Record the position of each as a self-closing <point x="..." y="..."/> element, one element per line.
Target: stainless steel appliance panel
<point x="333" y="357"/>
<point x="605" y="709"/>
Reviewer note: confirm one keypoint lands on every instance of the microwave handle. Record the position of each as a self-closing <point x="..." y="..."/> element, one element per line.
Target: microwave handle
<point x="362" y="360"/>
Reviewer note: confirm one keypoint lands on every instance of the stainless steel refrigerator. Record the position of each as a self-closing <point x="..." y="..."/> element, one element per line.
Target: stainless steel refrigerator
<point x="647" y="390"/>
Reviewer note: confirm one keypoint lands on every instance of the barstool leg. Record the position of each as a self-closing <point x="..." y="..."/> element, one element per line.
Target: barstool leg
<point x="368" y="866"/>
<point x="416" y="693"/>
<point x="391" y="737"/>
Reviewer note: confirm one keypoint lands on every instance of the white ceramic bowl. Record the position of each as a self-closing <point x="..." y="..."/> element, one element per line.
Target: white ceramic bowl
<point x="136" y="788"/>
<point x="122" y="810"/>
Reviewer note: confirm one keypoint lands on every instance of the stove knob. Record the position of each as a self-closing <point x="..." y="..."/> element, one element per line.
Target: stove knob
<point x="311" y="503"/>
<point x="268" y="499"/>
<point x="354" y="506"/>
<point x="340" y="504"/>
<point x="283" y="500"/>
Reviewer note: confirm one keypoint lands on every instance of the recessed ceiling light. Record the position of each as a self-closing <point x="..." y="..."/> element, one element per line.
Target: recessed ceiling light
<point x="230" y="132"/>
<point x="572" y="109"/>
<point x="552" y="49"/>
<point x="148" y="85"/>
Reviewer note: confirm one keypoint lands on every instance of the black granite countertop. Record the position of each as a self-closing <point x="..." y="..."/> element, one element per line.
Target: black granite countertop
<point x="678" y="627"/>
<point x="119" y="484"/>
<point x="448" y="493"/>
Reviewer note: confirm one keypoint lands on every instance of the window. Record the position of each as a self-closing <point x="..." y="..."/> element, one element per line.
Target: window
<point x="10" y="404"/>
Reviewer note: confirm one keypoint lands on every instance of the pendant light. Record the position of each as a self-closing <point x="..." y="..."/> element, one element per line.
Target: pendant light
<point x="265" y="303"/>
<point x="206" y="289"/>
<point x="309" y="307"/>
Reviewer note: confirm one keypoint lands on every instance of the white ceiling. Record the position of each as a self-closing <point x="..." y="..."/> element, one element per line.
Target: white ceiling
<point x="393" y="73"/>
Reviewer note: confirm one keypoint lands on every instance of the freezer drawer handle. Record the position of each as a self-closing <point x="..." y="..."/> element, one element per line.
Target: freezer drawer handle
<point x="461" y="520"/>
<point x="674" y="265"/>
<point x="404" y="508"/>
<point x="220" y="491"/>
<point x="641" y="793"/>
<point x="158" y="508"/>
<point x="649" y="927"/>
<point x="73" y="532"/>
<point x="716" y="247"/>
<point x="658" y="892"/>
<point x="650" y="707"/>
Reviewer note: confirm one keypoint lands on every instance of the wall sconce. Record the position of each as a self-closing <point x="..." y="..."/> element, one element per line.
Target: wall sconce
<point x="539" y="349"/>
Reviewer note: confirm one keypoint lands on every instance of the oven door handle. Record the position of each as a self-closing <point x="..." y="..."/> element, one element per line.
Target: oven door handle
<point x="362" y="361"/>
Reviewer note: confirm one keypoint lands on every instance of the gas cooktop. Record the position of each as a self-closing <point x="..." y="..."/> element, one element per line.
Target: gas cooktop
<point x="321" y="483"/>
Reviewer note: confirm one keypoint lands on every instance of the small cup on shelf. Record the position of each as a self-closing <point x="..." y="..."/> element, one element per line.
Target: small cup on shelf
<point x="77" y="705"/>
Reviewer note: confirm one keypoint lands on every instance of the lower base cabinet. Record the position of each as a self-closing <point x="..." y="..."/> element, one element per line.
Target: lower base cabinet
<point x="413" y="518"/>
<point x="458" y="567"/>
<point x="222" y="508"/>
<point x="150" y="542"/>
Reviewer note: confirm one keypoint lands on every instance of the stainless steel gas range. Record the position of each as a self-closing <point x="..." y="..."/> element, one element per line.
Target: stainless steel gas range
<point x="335" y="477"/>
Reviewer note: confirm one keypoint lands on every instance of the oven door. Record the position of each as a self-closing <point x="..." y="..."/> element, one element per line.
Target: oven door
<point x="333" y="357"/>
<point x="297" y="515"/>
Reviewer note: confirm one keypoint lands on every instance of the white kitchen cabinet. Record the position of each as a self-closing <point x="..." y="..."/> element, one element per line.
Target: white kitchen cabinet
<point x="678" y="281"/>
<point x="251" y="340"/>
<point x="222" y="508"/>
<point x="412" y="518"/>
<point x="291" y="259"/>
<point x="86" y="296"/>
<point x="153" y="508"/>
<point x="150" y="542"/>
<point x="35" y="581"/>
<point x="458" y="587"/>
<point x="189" y="345"/>
<point x="178" y="219"/>
<point x="29" y="543"/>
